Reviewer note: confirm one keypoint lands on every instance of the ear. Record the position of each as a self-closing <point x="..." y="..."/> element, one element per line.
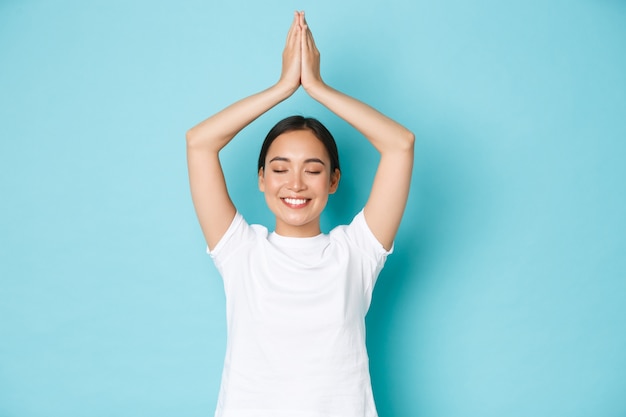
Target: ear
<point x="334" y="181"/>
<point x="261" y="180"/>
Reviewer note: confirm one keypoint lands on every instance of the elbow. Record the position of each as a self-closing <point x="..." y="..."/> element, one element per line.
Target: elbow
<point x="410" y="138"/>
<point x="189" y="136"/>
<point x="197" y="139"/>
<point x="192" y="138"/>
<point x="403" y="142"/>
<point x="408" y="141"/>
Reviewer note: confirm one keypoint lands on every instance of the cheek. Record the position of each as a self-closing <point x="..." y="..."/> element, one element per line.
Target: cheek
<point x="272" y="182"/>
<point x="322" y="183"/>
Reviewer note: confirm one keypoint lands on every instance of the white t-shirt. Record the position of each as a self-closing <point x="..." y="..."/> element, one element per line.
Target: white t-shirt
<point x="295" y="310"/>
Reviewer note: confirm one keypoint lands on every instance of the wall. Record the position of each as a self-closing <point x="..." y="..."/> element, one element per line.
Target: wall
<point x="505" y="296"/>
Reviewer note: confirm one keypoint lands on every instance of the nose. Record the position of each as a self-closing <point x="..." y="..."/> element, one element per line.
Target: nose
<point x="296" y="182"/>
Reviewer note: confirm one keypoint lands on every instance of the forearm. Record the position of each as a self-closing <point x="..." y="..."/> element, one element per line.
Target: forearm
<point x="385" y="134"/>
<point x="215" y="132"/>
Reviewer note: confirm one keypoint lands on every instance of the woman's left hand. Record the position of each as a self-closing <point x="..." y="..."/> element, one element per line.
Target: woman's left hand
<point x="310" y="76"/>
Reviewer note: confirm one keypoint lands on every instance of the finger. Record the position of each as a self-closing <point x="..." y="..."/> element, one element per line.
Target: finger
<point x="305" y="34"/>
<point x="297" y="35"/>
<point x="296" y="18"/>
<point x="294" y="23"/>
<point x="307" y="31"/>
<point x="303" y="23"/>
<point x="310" y="42"/>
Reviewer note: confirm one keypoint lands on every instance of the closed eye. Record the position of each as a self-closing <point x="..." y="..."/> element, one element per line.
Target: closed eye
<point x="313" y="172"/>
<point x="279" y="171"/>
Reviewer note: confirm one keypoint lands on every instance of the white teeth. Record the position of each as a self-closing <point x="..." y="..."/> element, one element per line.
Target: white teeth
<point x="295" y="201"/>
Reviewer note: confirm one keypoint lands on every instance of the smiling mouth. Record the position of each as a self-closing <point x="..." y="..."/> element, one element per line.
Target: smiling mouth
<point x="295" y="202"/>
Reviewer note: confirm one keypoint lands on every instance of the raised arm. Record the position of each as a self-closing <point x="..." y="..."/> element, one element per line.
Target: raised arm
<point x="212" y="203"/>
<point x="389" y="194"/>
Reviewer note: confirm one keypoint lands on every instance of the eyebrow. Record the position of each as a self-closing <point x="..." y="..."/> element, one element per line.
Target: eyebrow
<point x="306" y="161"/>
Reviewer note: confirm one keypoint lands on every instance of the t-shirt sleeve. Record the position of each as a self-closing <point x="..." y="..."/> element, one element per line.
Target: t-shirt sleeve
<point x="372" y="251"/>
<point x="236" y="235"/>
<point x="360" y="232"/>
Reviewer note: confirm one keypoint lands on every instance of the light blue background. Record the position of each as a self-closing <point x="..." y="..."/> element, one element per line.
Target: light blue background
<point x="506" y="294"/>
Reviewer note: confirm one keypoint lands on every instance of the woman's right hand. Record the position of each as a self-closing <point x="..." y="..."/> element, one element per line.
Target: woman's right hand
<point x="292" y="56"/>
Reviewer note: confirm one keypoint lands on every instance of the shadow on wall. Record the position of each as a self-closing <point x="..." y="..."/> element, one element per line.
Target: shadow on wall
<point x="445" y="215"/>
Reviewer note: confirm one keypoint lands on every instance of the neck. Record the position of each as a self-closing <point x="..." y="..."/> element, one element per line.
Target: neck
<point x="307" y="230"/>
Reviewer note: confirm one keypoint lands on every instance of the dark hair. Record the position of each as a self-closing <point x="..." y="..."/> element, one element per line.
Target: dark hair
<point x="293" y="123"/>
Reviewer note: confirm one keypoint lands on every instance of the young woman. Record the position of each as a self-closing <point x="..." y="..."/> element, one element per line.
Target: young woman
<point x="296" y="298"/>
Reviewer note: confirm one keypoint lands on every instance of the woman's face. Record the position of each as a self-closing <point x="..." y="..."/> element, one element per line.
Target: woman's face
<point x="296" y="182"/>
